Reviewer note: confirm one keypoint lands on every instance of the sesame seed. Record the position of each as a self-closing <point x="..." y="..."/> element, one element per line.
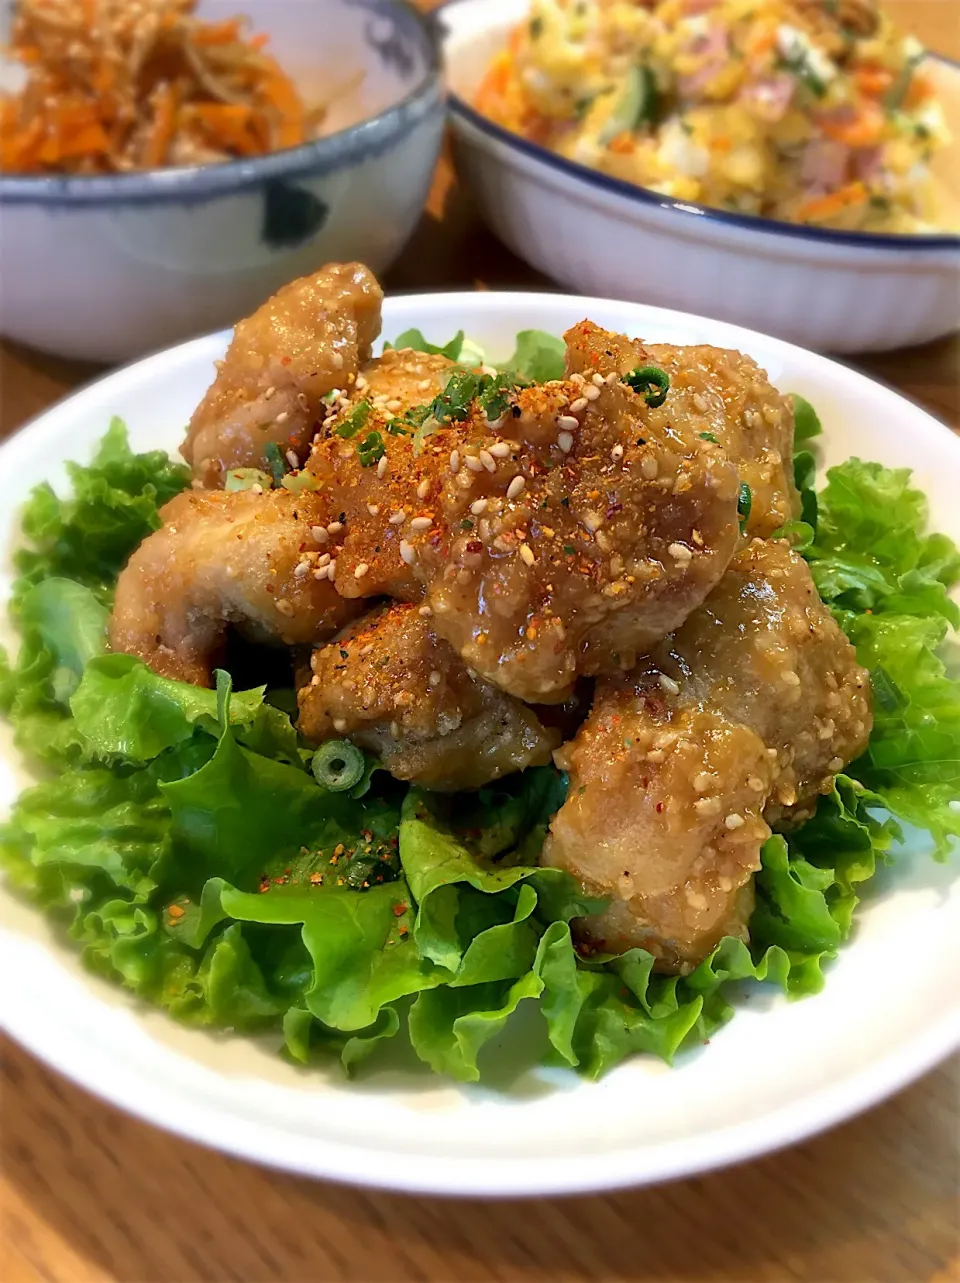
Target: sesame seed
<point x="301" y="568"/>
<point x="373" y="509"/>
<point x="567" y="421"/>
<point x="516" y="487"/>
<point x="565" y="442"/>
<point x="324" y="560"/>
<point x="649" y="467"/>
<point x="395" y="730"/>
<point x="611" y="378"/>
<point x="488" y="461"/>
<point x="668" y="684"/>
<point x="336" y="360"/>
<point x="292" y="459"/>
<point x="360" y="383"/>
<point x="382" y="466"/>
<point x="319" y="533"/>
<point x="598" y="380"/>
<point x="339" y="724"/>
<point x="397" y="518"/>
<point x="256" y="489"/>
<point x="269" y="393"/>
<point x="616" y="454"/>
<point x="284" y="607"/>
<point x="320" y="574"/>
<point x="578" y="379"/>
<point x="500" y="450"/>
<point x="283" y="416"/>
<point x="434" y="678"/>
<point x="334" y="527"/>
<point x="526" y="552"/>
<point x="332" y="570"/>
<point x="734" y="822"/>
<point x="478" y="506"/>
<point x="580" y="404"/>
<point x="361" y="570"/>
<point x="408" y="552"/>
<point x="421" y="523"/>
<point x="365" y="650"/>
<point x="590" y="392"/>
<point x="423" y="489"/>
<point x="394" y="405"/>
<point x="680" y="552"/>
<point x="473" y="463"/>
<point x="424" y="612"/>
<point x="454" y="461"/>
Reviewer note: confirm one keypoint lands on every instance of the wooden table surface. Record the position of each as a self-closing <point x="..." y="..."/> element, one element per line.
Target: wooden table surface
<point x="88" y="1195"/>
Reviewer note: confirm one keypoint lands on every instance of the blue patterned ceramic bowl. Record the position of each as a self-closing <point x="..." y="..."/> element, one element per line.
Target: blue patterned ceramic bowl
<point x="109" y="268"/>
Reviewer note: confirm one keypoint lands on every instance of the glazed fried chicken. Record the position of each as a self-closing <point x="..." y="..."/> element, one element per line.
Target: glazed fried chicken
<point x="259" y="562"/>
<point x="400" y="379"/>
<point x="390" y="685"/>
<point x="308" y="339"/>
<point x="721" y="393"/>
<point x="736" y="723"/>
<point x="558" y="538"/>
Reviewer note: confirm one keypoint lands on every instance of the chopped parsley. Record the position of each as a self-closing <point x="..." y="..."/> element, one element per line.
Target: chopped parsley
<point x="708" y="436"/>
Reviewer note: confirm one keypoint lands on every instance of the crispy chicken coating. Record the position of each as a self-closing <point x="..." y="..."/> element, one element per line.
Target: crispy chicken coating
<point x="223" y="559"/>
<point x="306" y="340"/>
<point x="720" y="392"/>
<point x="397" y="690"/>
<point x="559" y="539"/>
<point x="736" y="723"/>
<point x="368" y="495"/>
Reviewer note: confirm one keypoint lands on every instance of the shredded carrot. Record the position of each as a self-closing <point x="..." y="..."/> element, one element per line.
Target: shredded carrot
<point x="623" y="144"/>
<point x="873" y="82"/>
<point x="863" y="129"/>
<point x="819" y="207"/>
<point x="920" y="89"/>
<point x="113" y="87"/>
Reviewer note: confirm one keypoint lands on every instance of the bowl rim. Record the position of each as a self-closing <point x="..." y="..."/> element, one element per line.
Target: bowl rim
<point x="639" y="195"/>
<point x="192" y="182"/>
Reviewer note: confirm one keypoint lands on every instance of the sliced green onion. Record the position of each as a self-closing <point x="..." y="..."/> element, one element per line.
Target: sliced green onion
<point x="276" y="462"/>
<point x="744" y="504"/>
<point x="371" y="449"/>
<point x="337" y="765"/>
<point x="651" y="382"/>
<point x="247" y="478"/>
<point x="708" y="436"/>
<point x="296" y="482"/>
<point x="352" y="423"/>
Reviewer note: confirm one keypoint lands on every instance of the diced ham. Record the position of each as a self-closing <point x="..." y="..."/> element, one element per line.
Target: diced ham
<point x="713" y="47"/>
<point x="824" y="165"/>
<point x="768" y="99"/>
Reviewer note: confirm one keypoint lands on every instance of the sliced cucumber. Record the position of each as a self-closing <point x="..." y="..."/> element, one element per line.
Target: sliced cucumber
<point x="637" y="105"/>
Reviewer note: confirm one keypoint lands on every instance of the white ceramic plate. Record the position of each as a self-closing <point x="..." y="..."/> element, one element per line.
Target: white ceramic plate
<point x="778" y="1072"/>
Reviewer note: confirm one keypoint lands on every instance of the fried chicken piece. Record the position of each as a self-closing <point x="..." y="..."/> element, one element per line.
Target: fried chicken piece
<point x="736" y="723"/>
<point x="301" y="344"/>
<point x="402" y="378"/>
<point x="574" y="534"/>
<point x="559" y="539"/>
<point x="719" y="392"/>
<point x="395" y="689"/>
<point x="222" y="559"/>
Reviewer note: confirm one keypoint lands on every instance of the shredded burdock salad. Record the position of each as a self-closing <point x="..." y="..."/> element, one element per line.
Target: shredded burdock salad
<point x="113" y="86"/>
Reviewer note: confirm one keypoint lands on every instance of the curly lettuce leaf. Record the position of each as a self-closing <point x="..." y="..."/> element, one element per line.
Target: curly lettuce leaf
<point x="888" y="584"/>
<point x="538" y="357"/>
<point x="88" y="536"/>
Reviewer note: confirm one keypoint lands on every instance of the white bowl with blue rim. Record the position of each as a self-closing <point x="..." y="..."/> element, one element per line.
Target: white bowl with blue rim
<point x="106" y="268"/>
<point x="827" y="290"/>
